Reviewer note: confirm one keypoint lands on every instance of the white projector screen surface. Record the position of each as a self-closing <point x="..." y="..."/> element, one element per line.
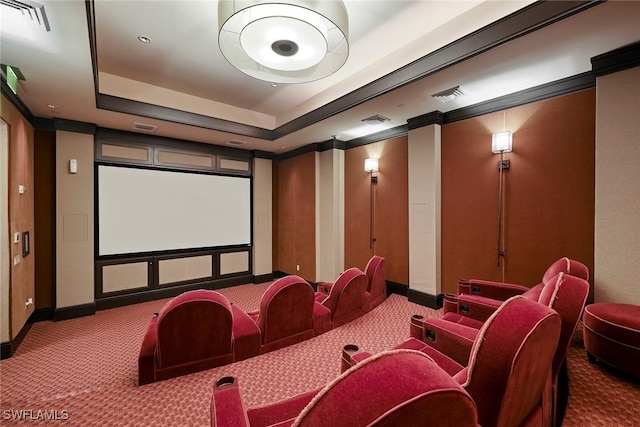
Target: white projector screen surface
<point x="146" y="210"/>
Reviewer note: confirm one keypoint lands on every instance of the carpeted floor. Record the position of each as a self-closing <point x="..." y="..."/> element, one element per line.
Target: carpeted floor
<point x="84" y="371"/>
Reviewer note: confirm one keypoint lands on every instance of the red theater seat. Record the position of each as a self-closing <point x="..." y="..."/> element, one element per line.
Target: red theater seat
<point x="348" y="298"/>
<point x="395" y="388"/>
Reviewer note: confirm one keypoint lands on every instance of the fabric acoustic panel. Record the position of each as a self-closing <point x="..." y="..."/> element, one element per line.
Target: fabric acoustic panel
<point x="148" y="210"/>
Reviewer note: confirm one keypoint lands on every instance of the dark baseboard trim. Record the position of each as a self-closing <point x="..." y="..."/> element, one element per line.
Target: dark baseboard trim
<point x="42" y="314"/>
<point x="5" y="350"/>
<point x="428" y="300"/>
<point x="261" y="278"/>
<point x="278" y="274"/>
<point x="81" y="310"/>
<point x="396" y="288"/>
<point x="155" y="294"/>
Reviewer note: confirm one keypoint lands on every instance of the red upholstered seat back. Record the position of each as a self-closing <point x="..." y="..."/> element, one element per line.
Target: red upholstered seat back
<point x="510" y="362"/>
<point x="567" y="266"/>
<point x="347" y="294"/>
<point x="567" y="295"/>
<point x="376" y="271"/>
<point x="394" y="388"/>
<point x="286" y="308"/>
<point x="193" y="326"/>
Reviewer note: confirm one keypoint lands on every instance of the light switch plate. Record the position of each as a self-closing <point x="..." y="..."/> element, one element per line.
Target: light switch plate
<point x="16" y="237"/>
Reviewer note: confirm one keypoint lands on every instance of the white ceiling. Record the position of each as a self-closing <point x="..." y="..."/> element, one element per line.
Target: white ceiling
<point x="183" y="69"/>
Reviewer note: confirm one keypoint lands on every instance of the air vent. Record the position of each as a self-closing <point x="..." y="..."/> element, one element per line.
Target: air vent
<point x="375" y="119"/>
<point x="144" y="127"/>
<point x="236" y="143"/>
<point x="449" y="95"/>
<point x="26" y="10"/>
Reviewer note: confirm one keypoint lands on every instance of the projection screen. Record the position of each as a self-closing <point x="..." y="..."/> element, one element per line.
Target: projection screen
<point x="147" y="210"/>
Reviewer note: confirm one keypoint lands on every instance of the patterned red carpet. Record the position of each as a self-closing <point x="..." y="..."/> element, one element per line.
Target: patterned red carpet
<point x="83" y="372"/>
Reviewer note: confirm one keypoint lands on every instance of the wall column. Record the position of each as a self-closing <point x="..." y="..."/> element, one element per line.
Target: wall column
<point x="617" y="206"/>
<point x="262" y="219"/>
<point x="330" y="215"/>
<point x="424" y="215"/>
<point x="74" y="226"/>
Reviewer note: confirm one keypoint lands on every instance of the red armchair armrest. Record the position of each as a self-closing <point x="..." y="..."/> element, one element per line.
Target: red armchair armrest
<point x="246" y="335"/>
<point x="227" y="407"/>
<point x="477" y="307"/>
<point x="147" y="356"/>
<point x="489" y="289"/>
<point x="449" y="338"/>
<point x="321" y="319"/>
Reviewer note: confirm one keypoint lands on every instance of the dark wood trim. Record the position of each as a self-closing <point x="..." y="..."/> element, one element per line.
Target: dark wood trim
<point x="548" y="90"/>
<point x="259" y="154"/>
<point x="5" y="350"/>
<point x="41" y="314"/>
<point x="168" y="292"/>
<point x="616" y="60"/>
<point x="394" y="132"/>
<point x="53" y="125"/>
<point x="432" y="118"/>
<point x="397" y="288"/>
<point x="427" y="300"/>
<point x="524" y="21"/>
<point x="81" y="310"/>
<point x="262" y="278"/>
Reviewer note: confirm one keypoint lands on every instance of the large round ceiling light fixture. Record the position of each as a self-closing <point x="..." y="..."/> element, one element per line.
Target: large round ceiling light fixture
<point x="295" y="42"/>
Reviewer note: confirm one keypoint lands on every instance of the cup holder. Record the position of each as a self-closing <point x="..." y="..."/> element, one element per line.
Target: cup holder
<point x="417" y="317"/>
<point x="225" y="381"/>
<point x="350" y="348"/>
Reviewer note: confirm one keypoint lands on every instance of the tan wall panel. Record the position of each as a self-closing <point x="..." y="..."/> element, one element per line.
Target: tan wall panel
<point x="234" y="262"/>
<point x="169" y="157"/>
<point x="617" y="205"/>
<point x="119" y="151"/>
<point x="121" y="277"/>
<point x="549" y="191"/>
<point x="262" y="217"/>
<point x="237" y="165"/>
<point x="5" y="252"/>
<point x="180" y="269"/>
<point x="74" y="220"/>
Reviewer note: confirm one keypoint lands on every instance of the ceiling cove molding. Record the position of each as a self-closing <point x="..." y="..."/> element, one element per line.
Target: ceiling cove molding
<point x="538" y="93"/>
<point x="530" y="18"/>
<point x="394" y="132"/>
<point x="616" y="60"/>
<point x="432" y="118"/>
<point x="53" y="125"/>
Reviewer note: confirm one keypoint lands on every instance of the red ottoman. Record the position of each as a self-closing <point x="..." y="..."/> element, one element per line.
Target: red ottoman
<point x="612" y="335"/>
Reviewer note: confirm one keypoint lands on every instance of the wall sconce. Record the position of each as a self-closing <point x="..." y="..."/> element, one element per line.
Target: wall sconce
<point x="501" y="143"/>
<point x="371" y="166"/>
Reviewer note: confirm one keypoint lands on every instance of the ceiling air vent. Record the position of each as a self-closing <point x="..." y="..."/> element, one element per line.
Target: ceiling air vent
<point x="375" y="119"/>
<point x="236" y="143"/>
<point x="144" y="127"/>
<point x="449" y="95"/>
<point x="26" y="10"/>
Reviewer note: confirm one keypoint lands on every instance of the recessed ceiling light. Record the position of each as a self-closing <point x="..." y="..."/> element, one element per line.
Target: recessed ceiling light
<point x="144" y="39"/>
<point x="274" y="84"/>
<point x="52" y="106"/>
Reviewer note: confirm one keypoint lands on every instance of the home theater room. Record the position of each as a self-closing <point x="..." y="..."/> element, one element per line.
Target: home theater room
<point x="320" y="213"/>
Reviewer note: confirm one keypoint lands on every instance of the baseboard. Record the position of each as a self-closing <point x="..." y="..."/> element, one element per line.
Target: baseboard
<point x="5" y="350"/>
<point x="428" y="300"/>
<point x="261" y="278"/>
<point x="396" y="288"/>
<point x="74" y="311"/>
<point x="42" y="314"/>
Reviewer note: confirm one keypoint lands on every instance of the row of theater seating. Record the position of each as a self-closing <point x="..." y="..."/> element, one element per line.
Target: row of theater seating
<point x="201" y="329"/>
<point x="502" y="373"/>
